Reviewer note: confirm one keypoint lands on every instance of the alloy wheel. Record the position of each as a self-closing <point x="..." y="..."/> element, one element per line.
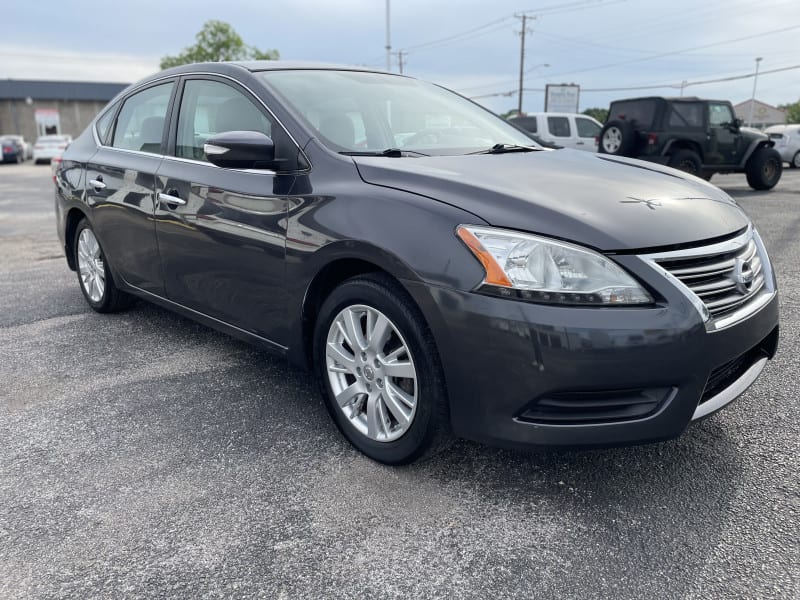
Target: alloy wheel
<point x="612" y="140"/>
<point x="371" y="373"/>
<point x="91" y="266"/>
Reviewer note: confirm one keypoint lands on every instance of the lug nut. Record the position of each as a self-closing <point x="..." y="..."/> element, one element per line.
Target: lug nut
<point x="377" y="364"/>
<point x="358" y="371"/>
<point x="363" y="356"/>
<point x="380" y="383"/>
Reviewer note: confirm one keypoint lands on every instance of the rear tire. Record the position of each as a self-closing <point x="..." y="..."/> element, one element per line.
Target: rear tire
<point x="687" y="161"/>
<point x="764" y="169"/>
<point x="617" y="138"/>
<point x="373" y="351"/>
<point x="795" y="164"/>
<point x="94" y="275"/>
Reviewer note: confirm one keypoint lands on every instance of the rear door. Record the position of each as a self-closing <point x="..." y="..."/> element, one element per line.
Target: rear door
<point x="120" y="183"/>
<point x="221" y="232"/>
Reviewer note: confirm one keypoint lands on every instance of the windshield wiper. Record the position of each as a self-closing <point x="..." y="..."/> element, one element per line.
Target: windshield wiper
<point x="390" y="152"/>
<point x="504" y="148"/>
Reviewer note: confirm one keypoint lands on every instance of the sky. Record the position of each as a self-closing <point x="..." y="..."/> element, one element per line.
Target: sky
<point x="606" y="47"/>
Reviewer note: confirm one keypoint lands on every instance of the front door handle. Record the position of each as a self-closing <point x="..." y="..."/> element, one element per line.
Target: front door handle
<point x="170" y="199"/>
<point x="97" y="183"/>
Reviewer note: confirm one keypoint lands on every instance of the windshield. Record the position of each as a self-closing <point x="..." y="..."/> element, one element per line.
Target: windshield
<point x="370" y="112"/>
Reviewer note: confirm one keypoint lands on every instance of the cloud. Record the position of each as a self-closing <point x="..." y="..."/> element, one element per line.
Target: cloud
<point x="25" y="62"/>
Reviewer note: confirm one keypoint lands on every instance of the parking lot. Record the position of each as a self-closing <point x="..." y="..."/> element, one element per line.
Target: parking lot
<point x="144" y="455"/>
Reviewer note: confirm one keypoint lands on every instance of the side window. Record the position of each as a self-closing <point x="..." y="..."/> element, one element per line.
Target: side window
<point x="587" y="128"/>
<point x="211" y="107"/>
<point x="558" y="126"/>
<point x="140" y="123"/>
<point x="527" y="123"/>
<point x="103" y="125"/>
<point x="719" y="114"/>
<point x="686" y="115"/>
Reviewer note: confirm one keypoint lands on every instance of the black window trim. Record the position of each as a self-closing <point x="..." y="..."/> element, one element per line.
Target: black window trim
<point x="260" y="104"/>
<point x="121" y="102"/>
<point x="171" y="111"/>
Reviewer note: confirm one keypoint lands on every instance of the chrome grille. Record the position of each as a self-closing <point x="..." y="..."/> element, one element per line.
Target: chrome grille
<point x="723" y="281"/>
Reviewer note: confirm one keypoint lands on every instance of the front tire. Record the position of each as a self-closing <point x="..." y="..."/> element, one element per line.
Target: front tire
<point x="379" y="371"/>
<point x="94" y="276"/>
<point x="795" y="164"/>
<point x="764" y="169"/>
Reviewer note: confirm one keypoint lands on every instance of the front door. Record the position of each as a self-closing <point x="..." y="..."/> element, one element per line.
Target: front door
<point x="221" y="232"/>
<point x="724" y="136"/>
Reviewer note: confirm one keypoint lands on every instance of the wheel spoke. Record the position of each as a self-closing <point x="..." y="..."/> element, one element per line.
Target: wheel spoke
<point x="346" y="396"/>
<point x="340" y="357"/>
<point x="400" y="412"/>
<point x="397" y="394"/>
<point x="372" y="416"/>
<point x="379" y="332"/>
<point x="399" y="368"/>
<point x="352" y="323"/>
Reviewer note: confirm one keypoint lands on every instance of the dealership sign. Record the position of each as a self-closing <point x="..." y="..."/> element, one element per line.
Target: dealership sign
<point x="561" y="98"/>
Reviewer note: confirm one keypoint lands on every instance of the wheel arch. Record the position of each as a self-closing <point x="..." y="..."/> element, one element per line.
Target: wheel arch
<point x="680" y="144"/>
<point x="755" y="145"/>
<point x="73" y="217"/>
<point x="336" y="268"/>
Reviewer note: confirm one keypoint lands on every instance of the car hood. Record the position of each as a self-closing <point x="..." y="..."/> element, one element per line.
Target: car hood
<point x="601" y="201"/>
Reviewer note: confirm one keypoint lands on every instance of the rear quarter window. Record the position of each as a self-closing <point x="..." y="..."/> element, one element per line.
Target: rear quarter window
<point x="641" y="111"/>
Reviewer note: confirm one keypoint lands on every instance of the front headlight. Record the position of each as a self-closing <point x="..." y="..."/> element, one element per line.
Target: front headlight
<point x="537" y="269"/>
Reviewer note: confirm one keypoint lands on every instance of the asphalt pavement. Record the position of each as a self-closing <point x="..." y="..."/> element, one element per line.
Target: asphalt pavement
<point x="143" y="455"/>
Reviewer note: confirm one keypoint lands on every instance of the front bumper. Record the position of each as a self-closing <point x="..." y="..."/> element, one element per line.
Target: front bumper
<point x="505" y="361"/>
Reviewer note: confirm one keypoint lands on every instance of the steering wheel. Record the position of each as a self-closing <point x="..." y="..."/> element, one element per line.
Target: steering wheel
<point x="424" y="134"/>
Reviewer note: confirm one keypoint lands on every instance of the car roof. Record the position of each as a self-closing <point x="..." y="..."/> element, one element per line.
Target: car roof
<point x="255" y="66"/>
<point x="669" y="99"/>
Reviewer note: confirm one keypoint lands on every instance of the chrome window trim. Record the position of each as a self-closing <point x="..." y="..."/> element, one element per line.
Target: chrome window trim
<point x="177" y="77"/>
<point x="731" y="245"/>
<point x="730" y="393"/>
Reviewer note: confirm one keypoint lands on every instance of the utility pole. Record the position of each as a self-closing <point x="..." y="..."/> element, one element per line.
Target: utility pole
<point x="524" y="18"/>
<point x="388" y="40"/>
<point x="753" y="97"/>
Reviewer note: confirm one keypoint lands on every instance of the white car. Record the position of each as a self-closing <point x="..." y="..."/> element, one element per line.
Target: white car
<point x="787" y="142"/>
<point x="568" y="130"/>
<point x="49" y="146"/>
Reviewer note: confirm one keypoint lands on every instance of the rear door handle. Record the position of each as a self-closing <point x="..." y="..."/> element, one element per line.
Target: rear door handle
<point x="97" y="183"/>
<point x="170" y="199"/>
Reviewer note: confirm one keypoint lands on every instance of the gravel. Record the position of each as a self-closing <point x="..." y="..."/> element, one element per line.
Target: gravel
<point x="143" y="455"/>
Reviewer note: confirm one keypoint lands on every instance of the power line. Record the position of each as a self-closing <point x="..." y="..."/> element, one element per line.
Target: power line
<point x="653" y="86"/>
<point x="643" y="58"/>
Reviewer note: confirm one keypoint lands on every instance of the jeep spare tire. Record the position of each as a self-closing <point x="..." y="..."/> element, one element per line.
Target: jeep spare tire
<point x="764" y="169"/>
<point x="617" y="138"/>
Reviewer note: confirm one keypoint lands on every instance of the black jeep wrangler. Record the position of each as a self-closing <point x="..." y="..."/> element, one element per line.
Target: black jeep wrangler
<point x="701" y="137"/>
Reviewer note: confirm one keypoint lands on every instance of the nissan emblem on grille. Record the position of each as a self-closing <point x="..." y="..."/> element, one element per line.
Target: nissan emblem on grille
<point x="743" y="275"/>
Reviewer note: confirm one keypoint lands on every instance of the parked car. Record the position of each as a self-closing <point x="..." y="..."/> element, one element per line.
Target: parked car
<point x="48" y="146"/>
<point x="12" y="150"/>
<point x="701" y="137"/>
<point x="566" y="130"/>
<point x="787" y="142"/>
<point x="26" y="147"/>
<point x="457" y="280"/>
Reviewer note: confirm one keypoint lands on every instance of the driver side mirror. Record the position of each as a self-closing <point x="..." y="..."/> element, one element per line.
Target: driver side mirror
<point x="241" y="150"/>
<point x="737" y="123"/>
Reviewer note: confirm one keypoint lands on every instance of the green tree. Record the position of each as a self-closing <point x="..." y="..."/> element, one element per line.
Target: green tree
<point x="217" y="41"/>
<point x="601" y="114"/>
<point x="792" y="112"/>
